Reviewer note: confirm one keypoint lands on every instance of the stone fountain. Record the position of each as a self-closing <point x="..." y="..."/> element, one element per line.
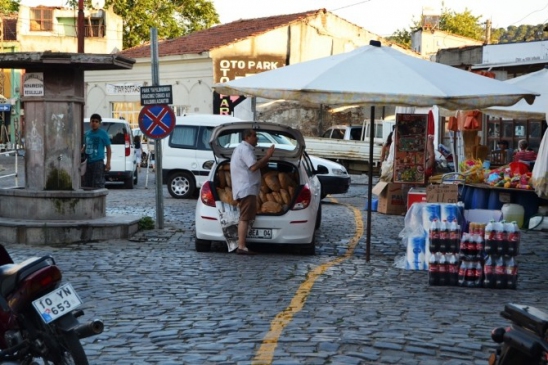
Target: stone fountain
<point x="52" y="207"/>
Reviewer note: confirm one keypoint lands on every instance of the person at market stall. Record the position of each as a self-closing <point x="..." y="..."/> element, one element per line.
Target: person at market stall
<point x="524" y="153"/>
<point x="430" y="166"/>
<point x="386" y="147"/>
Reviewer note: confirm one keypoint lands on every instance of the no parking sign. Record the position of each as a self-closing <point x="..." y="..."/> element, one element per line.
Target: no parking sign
<point x="156" y="121"/>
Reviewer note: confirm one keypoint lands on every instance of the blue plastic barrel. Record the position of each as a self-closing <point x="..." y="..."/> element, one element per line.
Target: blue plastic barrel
<point x="529" y="202"/>
<point x="479" y="198"/>
<point x="494" y="202"/>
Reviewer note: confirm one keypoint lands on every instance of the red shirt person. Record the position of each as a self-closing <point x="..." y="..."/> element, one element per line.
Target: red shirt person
<point x="524" y="153"/>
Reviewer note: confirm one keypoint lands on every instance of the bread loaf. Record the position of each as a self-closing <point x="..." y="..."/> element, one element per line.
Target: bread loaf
<point x="285" y="180"/>
<point x="278" y="197"/>
<point x="262" y="197"/>
<point x="285" y="196"/>
<point x="226" y="167"/>
<point x="222" y="195"/>
<point x="229" y="197"/>
<point x="270" y="197"/>
<point x="222" y="179"/>
<point x="228" y="179"/>
<point x="271" y="207"/>
<point x="272" y="182"/>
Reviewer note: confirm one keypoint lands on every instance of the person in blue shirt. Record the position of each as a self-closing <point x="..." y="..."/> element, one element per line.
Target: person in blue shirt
<point x="96" y="142"/>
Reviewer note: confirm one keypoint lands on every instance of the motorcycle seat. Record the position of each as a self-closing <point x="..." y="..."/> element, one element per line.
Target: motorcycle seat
<point x="10" y="274"/>
<point x="528" y="317"/>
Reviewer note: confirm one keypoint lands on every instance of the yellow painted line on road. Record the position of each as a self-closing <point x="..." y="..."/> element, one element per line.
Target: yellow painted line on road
<point x="270" y="341"/>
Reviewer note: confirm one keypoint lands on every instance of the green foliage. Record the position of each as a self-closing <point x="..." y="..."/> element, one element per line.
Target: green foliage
<point x="401" y="37"/>
<point x="146" y="223"/>
<point x="9" y="6"/>
<point x="464" y="24"/>
<point x="171" y="18"/>
<point x="522" y="33"/>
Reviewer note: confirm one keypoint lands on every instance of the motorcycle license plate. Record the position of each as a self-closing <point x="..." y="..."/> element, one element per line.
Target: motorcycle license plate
<point x="260" y="233"/>
<point x="57" y="303"/>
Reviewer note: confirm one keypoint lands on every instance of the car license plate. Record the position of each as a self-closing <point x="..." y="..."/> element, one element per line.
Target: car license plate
<point x="260" y="233"/>
<point x="57" y="303"/>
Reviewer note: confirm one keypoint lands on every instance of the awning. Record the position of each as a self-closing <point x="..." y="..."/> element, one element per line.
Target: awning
<point x="5" y="107"/>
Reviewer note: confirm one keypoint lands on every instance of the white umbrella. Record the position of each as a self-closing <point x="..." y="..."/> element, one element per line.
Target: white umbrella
<point x="378" y="76"/>
<point x="536" y="82"/>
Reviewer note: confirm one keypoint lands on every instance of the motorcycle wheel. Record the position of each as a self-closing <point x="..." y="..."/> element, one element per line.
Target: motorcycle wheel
<point x="64" y="348"/>
<point x="511" y="356"/>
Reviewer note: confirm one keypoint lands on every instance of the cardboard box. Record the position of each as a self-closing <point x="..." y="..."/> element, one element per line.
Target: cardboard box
<point x="443" y="193"/>
<point x="390" y="198"/>
<point x="416" y="195"/>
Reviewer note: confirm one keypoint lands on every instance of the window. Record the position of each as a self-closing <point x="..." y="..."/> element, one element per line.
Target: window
<point x="513" y="130"/>
<point x="128" y="111"/>
<point x="41" y="19"/>
<point x="95" y="28"/>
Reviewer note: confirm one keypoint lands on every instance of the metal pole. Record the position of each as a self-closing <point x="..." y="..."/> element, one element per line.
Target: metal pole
<point x="80" y="26"/>
<point x="157" y="142"/>
<point x="370" y="185"/>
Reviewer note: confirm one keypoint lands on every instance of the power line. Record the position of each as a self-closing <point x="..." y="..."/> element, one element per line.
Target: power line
<point x="531" y="13"/>
<point x="348" y="6"/>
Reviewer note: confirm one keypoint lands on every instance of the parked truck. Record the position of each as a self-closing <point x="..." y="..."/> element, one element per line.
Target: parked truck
<point x="349" y="144"/>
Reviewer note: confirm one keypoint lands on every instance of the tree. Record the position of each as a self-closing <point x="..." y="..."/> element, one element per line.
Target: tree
<point x="9" y="6"/>
<point x="172" y="18"/>
<point x="464" y="24"/>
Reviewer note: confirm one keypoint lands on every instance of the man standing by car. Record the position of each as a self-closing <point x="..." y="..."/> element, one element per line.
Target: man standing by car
<point x="246" y="182"/>
<point x="96" y="141"/>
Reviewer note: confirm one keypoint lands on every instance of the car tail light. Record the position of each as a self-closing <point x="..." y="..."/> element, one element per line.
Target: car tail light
<point x="127" y="144"/>
<point x="206" y="195"/>
<point x="303" y="199"/>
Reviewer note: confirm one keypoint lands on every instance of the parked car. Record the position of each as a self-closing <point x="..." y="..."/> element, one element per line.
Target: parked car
<point x="299" y="213"/>
<point x="123" y="166"/>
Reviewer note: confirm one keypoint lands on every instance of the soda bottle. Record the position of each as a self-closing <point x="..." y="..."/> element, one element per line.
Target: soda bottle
<point x="453" y="237"/>
<point x="513" y="240"/>
<point x="470" y="275"/>
<point x="434" y="236"/>
<point x="453" y="270"/>
<point x="500" y="273"/>
<point x="472" y="245"/>
<point x="489" y="237"/>
<point x="444" y="236"/>
<point x="433" y="270"/>
<point x="511" y="274"/>
<point x="443" y="271"/>
<point x="507" y="227"/>
<point x="464" y="244"/>
<point x="479" y="244"/>
<point x="462" y="273"/>
<point x="478" y="273"/>
<point x="489" y="273"/>
<point x="498" y="227"/>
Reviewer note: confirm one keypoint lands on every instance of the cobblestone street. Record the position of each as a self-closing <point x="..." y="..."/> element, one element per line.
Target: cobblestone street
<point x="164" y="303"/>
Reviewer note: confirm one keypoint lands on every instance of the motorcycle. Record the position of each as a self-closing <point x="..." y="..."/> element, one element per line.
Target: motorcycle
<point x="38" y="314"/>
<point x="525" y="341"/>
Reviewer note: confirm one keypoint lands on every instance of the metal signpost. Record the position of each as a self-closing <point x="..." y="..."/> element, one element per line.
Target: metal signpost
<point x="156" y="121"/>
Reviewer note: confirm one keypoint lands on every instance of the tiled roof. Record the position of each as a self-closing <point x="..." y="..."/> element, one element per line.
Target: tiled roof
<point x="220" y="35"/>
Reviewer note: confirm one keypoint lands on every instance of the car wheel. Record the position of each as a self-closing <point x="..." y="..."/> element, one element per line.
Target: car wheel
<point x="319" y="217"/>
<point x="128" y="184"/>
<point x="202" y="245"/>
<point x="181" y="185"/>
<point x="135" y="178"/>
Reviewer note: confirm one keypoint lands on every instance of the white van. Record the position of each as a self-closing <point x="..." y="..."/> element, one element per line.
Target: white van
<point x="186" y="154"/>
<point x="123" y="166"/>
<point x="187" y="157"/>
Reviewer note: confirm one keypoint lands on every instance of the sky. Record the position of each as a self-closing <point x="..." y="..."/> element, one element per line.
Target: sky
<point x="384" y="17"/>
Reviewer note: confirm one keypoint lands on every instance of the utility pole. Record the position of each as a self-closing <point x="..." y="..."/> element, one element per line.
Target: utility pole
<point x="80" y="26"/>
<point x="487" y="32"/>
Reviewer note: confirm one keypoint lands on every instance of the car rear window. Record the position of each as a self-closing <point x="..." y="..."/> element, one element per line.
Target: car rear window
<point x="190" y="136"/>
<point x="115" y="131"/>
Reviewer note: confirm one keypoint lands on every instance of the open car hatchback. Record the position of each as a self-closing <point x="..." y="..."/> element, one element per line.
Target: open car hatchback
<point x="289" y="209"/>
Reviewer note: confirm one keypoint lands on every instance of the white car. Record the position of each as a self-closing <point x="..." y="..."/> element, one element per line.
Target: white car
<point x="298" y="214"/>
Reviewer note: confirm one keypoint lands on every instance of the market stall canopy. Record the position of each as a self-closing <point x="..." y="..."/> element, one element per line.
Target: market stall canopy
<point x="378" y="76"/>
<point x="536" y="82"/>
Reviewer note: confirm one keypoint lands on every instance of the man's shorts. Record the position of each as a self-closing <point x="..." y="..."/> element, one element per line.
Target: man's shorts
<point x="248" y="208"/>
